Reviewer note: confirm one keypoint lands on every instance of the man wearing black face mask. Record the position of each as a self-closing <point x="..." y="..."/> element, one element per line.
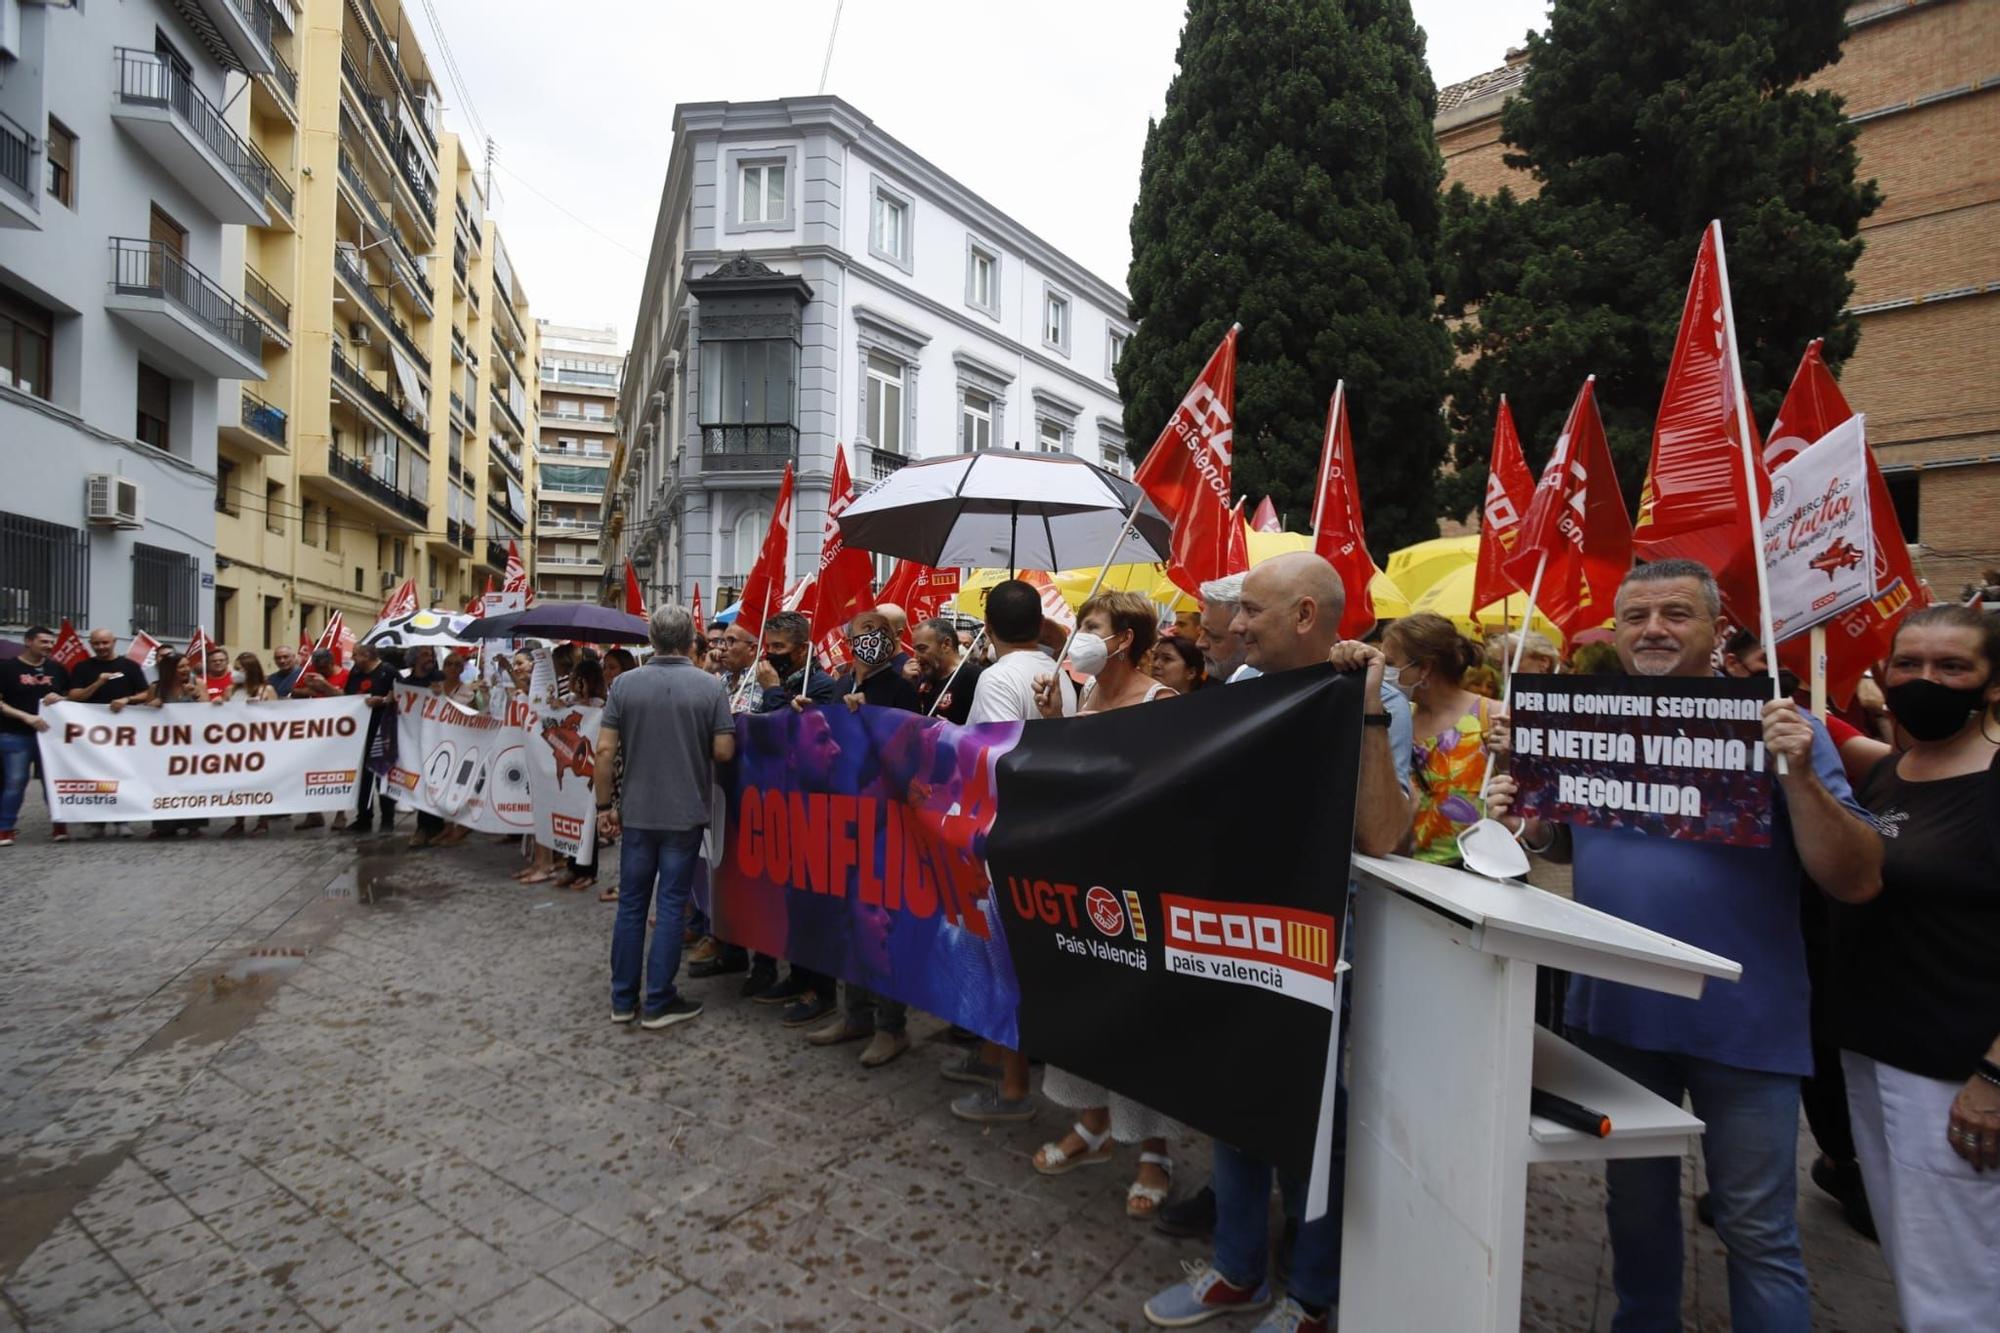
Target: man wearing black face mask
<point x="788" y="669"/>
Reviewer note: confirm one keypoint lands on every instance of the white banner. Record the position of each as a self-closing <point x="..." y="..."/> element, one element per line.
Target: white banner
<point x="562" y="767"/>
<point x="463" y="766"/>
<point x="191" y="761"/>
<point x="1819" y="545"/>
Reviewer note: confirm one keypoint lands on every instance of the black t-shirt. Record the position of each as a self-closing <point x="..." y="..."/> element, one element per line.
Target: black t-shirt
<point x="123" y="679"/>
<point x="381" y="680"/>
<point x="957" y="705"/>
<point x="1916" y="975"/>
<point x="23" y="687"/>
<point x="888" y="689"/>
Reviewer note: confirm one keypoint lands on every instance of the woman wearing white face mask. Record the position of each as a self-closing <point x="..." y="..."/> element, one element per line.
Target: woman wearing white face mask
<point x="1427" y="660"/>
<point x="1115" y="633"/>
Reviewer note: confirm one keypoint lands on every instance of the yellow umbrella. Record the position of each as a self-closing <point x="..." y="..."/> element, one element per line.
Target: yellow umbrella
<point x="1074" y="584"/>
<point x="1416" y="568"/>
<point x="1451" y="597"/>
<point x="1386" y="592"/>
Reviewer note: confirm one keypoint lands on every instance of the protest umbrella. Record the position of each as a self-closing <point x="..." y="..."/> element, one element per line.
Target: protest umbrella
<point x="1416" y="568"/>
<point x="419" y="629"/>
<point x="586" y="621"/>
<point x="1001" y="507"/>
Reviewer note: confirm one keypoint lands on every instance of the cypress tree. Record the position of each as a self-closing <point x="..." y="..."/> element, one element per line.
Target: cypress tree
<point x="1292" y="184"/>
<point x="1639" y="121"/>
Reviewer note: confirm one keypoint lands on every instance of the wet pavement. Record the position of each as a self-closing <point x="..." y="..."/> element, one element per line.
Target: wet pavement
<point x="301" y="1082"/>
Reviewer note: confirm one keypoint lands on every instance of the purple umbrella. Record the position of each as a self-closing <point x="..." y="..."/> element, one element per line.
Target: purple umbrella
<point x="9" y="648"/>
<point x="562" y="620"/>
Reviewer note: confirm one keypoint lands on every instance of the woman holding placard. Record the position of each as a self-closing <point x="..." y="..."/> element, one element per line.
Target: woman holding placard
<point x="1916" y="976"/>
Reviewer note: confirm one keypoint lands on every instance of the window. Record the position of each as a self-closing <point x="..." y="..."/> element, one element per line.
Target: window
<point x="1905" y="495"/>
<point x="885" y="404"/>
<point x="156" y="405"/>
<point x="165" y="590"/>
<point x="1049" y="437"/>
<point x="750" y="530"/>
<point x="749" y="397"/>
<point x="1055" y="321"/>
<point x="44" y="572"/>
<point x="225" y="486"/>
<point x="308" y="521"/>
<point x="1114" y="350"/>
<point x="976" y="429"/>
<point x="889" y="227"/>
<point x="61" y="152"/>
<point x="982" y="278"/>
<point x="26" y="331"/>
<point x="332" y="530"/>
<point x="761" y="192"/>
<point x="274" y="508"/>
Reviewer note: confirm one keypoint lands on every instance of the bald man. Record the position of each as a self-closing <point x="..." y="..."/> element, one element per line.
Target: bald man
<point x="1289" y="617"/>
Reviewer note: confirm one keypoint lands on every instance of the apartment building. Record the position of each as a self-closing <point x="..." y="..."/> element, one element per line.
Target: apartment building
<point x="814" y="285"/>
<point x="387" y="440"/>
<point x="1919" y="79"/>
<point x="124" y="189"/>
<point x="579" y="399"/>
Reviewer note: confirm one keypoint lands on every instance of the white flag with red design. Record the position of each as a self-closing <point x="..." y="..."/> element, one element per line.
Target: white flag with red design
<point x="402" y="602"/>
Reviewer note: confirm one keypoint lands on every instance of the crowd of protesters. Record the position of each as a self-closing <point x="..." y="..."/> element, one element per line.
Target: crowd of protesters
<point x="1868" y="931"/>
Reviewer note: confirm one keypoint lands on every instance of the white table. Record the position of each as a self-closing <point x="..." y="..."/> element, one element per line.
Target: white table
<point x="1444" y="1052"/>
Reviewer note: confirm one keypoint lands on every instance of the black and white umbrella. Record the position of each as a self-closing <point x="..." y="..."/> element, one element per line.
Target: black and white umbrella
<point x="1007" y="510"/>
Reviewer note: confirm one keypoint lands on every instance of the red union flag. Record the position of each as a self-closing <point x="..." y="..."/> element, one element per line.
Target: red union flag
<point x="1576" y="521"/>
<point x="844" y="582"/>
<point x="402" y="602"/>
<point x="1859" y="637"/>
<point x="1509" y="488"/>
<point x="1694" y="504"/>
<point x="764" y="589"/>
<point x="1187" y="472"/>
<point x="1238" y="559"/>
<point x="69" y="649"/>
<point x="1338" y="536"/>
<point x="335" y="638"/>
<point x="145" y="649"/>
<point x="475" y="608"/>
<point x="1054" y="605"/>
<point x="695" y="607"/>
<point x="1265" y="519"/>
<point x="921" y="590"/>
<point x="515" y="577"/>
<point x="635" y="600"/>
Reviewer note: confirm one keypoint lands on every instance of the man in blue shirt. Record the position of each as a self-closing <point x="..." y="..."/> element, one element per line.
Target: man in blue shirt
<point x="1288" y="616"/>
<point x="1738" y="1052"/>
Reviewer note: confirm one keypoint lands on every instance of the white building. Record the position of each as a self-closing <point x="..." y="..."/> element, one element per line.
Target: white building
<point x="122" y="169"/>
<point x="577" y="438"/>
<point x="813" y="284"/>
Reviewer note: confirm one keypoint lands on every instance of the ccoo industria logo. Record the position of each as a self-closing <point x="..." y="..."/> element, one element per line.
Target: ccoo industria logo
<point x="331" y="781"/>
<point x="86" y="791"/>
<point x="1280" y="949"/>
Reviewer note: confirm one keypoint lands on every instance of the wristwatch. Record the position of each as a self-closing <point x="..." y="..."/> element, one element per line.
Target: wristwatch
<point x="1380" y="719"/>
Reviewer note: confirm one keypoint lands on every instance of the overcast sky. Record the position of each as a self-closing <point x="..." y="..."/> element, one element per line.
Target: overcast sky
<point x="1038" y="105"/>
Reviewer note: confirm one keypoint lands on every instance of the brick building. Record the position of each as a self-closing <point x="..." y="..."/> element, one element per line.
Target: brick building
<point x="1922" y="80"/>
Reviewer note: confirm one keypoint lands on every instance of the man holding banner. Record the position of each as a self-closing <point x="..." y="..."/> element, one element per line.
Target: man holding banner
<point x="1729" y="886"/>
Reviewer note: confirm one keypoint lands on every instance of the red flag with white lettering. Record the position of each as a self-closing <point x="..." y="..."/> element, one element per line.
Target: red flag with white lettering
<point x="402" y="602"/>
<point x="1187" y="472"/>
<point x="695" y="608"/>
<point x="1695" y="504"/>
<point x="1055" y="606"/>
<point x="1858" y="638"/>
<point x="1577" y="520"/>
<point x="635" y="601"/>
<point x="1265" y="519"/>
<point x="1509" y="488"/>
<point x="335" y="638"/>
<point x="1239" y="542"/>
<point x="1338" y="535"/>
<point x="145" y="649"/>
<point x="921" y="590"/>
<point x="515" y="577"/>
<point x="764" y="589"/>
<point x="477" y="606"/>
<point x="70" y="648"/>
<point x="844" y="582"/>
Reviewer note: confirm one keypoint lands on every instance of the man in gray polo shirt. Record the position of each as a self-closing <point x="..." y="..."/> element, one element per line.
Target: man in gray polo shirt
<point x="670" y="721"/>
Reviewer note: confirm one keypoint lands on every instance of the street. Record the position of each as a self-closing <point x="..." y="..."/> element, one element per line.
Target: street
<point x="293" y="1082"/>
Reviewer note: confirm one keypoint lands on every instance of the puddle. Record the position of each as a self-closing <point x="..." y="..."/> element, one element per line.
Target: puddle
<point x="34" y="1203"/>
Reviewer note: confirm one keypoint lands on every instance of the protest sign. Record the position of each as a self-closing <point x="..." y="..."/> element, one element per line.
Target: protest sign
<point x="1819" y="540"/>
<point x="1672" y="756"/>
<point x="1011" y="878"/>
<point x="461" y="765"/>
<point x="561" y="746"/>
<point x="189" y="761"/>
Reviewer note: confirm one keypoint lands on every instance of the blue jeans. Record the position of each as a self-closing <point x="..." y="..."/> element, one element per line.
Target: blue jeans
<point x="1751" y="1150"/>
<point x="17" y="750"/>
<point x="1242" y="1185"/>
<point x="649" y="857"/>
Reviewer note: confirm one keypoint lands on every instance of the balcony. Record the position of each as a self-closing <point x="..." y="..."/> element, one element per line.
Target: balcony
<point x="570" y="418"/>
<point x="275" y="310"/>
<point x="383" y="44"/>
<point x="20" y="195"/>
<point x="277" y="190"/>
<point x="496" y="554"/>
<point x="760" y="448"/>
<point x="507" y="411"/>
<point x="285" y="79"/>
<point x="174" y="121"/>
<point x="458" y="408"/>
<point x="882" y="463"/>
<point x="569" y="564"/>
<point x="355" y="382"/>
<point x="259" y="426"/>
<point x="573" y="488"/>
<point x="500" y="507"/>
<point x="245" y="28"/>
<point x="347" y="263"/>
<point x="204" y="331"/>
<point x="355" y="474"/>
<point x="506" y="458"/>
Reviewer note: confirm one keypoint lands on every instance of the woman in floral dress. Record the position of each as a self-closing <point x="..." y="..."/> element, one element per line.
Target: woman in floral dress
<point x="1427" y="660"/>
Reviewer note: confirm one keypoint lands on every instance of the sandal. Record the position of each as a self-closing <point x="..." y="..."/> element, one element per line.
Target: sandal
<point x="581" y="884"/>
<point x="608" y="895"/>
<point x="1142" y="1201"/>
<point x="539" y="877"/>
<point x="1051" y="1160"/>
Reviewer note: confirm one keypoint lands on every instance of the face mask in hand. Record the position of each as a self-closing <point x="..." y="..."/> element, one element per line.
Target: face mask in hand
<point x="1930" y="711"/>
<point x="1088" y="653"/>
<point x="872" y="647"/>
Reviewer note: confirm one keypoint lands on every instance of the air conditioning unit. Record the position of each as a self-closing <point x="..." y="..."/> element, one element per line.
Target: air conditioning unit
<point x="389" y="580"/>
<point x="113" y="501"/>
<point x="437" y="595"/>
<point x="360" y="334"/>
